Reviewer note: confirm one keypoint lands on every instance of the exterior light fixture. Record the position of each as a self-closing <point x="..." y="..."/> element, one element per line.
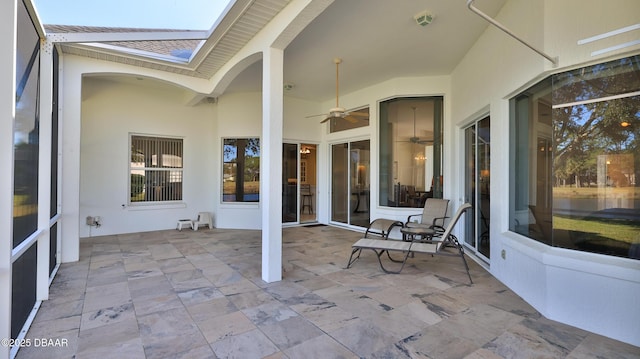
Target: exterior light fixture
<point x="625" y="124"/>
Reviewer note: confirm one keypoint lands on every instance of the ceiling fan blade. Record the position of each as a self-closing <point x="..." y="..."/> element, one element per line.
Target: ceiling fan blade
<point x="359" y="114"/>
<point x="322" y="114"/>
<point x="351" y="118"/>
<point x="331" y="118"/>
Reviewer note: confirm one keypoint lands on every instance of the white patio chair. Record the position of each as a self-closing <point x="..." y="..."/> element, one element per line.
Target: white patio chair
<point x="204" y="218"/>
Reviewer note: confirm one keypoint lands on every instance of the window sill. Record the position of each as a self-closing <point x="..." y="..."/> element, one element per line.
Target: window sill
<point x="579" y="261"/>
<point x="240" y="205"/>
<point x="155" y="206"/>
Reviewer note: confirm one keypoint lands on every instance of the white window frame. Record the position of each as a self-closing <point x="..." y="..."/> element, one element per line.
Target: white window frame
<point x="175" y="171"/>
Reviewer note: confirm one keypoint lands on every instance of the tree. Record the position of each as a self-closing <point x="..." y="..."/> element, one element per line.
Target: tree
<point x="585" y="127"/>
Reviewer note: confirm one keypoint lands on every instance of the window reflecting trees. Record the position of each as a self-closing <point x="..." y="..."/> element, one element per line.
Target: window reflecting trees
<point x="582" y="191"/>
<point x="241" y="170"/>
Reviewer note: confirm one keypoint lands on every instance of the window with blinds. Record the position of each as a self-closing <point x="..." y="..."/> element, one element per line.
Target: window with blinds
<point x="155" y="169"/>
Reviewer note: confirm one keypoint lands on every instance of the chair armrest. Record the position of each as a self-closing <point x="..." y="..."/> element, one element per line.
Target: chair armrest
<point x="382" y="227"/>
<point x="413" y="215"/>
<point x="434" y="224"/>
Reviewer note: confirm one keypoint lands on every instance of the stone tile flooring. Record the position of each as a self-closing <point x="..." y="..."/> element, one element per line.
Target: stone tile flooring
<point x="186" y="294"/>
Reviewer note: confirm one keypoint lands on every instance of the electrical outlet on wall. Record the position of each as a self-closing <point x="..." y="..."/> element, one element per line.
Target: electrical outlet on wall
<point x="94" y="221"/>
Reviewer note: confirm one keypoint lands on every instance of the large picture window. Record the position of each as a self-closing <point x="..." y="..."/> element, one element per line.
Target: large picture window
<point x="155" y="169"/>
<point x="241" y="170"/>
<point x="576" y="159"/>
<point x="410" y="151"/>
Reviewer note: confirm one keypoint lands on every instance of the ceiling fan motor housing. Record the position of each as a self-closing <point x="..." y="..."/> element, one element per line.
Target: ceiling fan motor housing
<point x="337" y="112"/>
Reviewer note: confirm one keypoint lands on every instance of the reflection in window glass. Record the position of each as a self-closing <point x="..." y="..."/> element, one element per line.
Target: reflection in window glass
<point x="410" y="151"/>
<point x="530" y="206"/>
<point x="241" y="170"/>
<point x="584" y="190"/>
<point x="355" y="119"/>
<point x="26" y="133"/>
<point x="26" y="140"/>
<point x="155" y="169"/>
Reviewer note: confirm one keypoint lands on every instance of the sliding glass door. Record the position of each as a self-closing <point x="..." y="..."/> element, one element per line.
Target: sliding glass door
<point x="289" y="182"/>
<point x="298" y="183"/>
<point x="350" y="183"/>
<point x="477" y="180"/>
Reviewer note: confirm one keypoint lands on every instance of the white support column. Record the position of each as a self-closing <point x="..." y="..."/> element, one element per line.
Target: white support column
<point x="69" y="115"/>
<point x="44" y="169"/>
<point x="7" y="116"/>
<point x="271" y="164"/>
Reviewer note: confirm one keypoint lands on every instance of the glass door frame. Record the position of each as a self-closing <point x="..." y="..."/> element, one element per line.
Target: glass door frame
<point x="290" y="184"/>
<point x="476" y="189"/>
<point x="300" y="145"/>
<point x="349" y="175"/>
<point x="308" y="203"/>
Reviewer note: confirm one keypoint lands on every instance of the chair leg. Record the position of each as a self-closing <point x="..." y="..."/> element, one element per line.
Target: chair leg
<point x="461" y="251"/>
<point x="466" y="266"/>
<point x="453" y="242"/>
<point x="404" y="261"/>
<point x="351" y="259"/>
<point x="394" y="260"/>
<point x="379" y="254"/>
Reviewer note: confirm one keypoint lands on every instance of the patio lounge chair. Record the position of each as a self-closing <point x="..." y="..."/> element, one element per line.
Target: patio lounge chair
<point x="432" y="245"/>
<point x="432" y="216"/>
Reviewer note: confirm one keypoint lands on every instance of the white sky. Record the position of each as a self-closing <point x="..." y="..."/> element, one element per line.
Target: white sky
<point x="167" y="14"/>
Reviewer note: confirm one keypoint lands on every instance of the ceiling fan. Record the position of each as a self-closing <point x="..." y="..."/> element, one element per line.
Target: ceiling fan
<point x="338" y="112"/>
<point x="414" y="138"/>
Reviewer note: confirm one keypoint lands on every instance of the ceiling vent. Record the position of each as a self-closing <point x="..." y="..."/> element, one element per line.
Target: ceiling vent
<point x="424" y="18"/>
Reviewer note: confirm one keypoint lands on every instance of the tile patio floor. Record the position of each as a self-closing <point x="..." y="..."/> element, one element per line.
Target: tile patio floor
<point x="186" y="294"/>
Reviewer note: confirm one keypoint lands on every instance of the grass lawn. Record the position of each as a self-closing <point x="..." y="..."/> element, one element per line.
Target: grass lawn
<point x="623" y="231"/>
<point x="595" y="192"/>
<point x="250" y="187"/>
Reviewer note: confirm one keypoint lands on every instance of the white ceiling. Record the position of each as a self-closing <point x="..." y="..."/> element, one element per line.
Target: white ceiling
<point x="377" y="40"/>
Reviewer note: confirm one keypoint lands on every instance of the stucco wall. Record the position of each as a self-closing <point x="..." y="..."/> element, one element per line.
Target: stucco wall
<point x="111" y="111"/>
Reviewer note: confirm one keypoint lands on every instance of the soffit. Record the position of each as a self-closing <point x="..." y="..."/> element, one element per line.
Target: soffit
<point x="244" y="20"/>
